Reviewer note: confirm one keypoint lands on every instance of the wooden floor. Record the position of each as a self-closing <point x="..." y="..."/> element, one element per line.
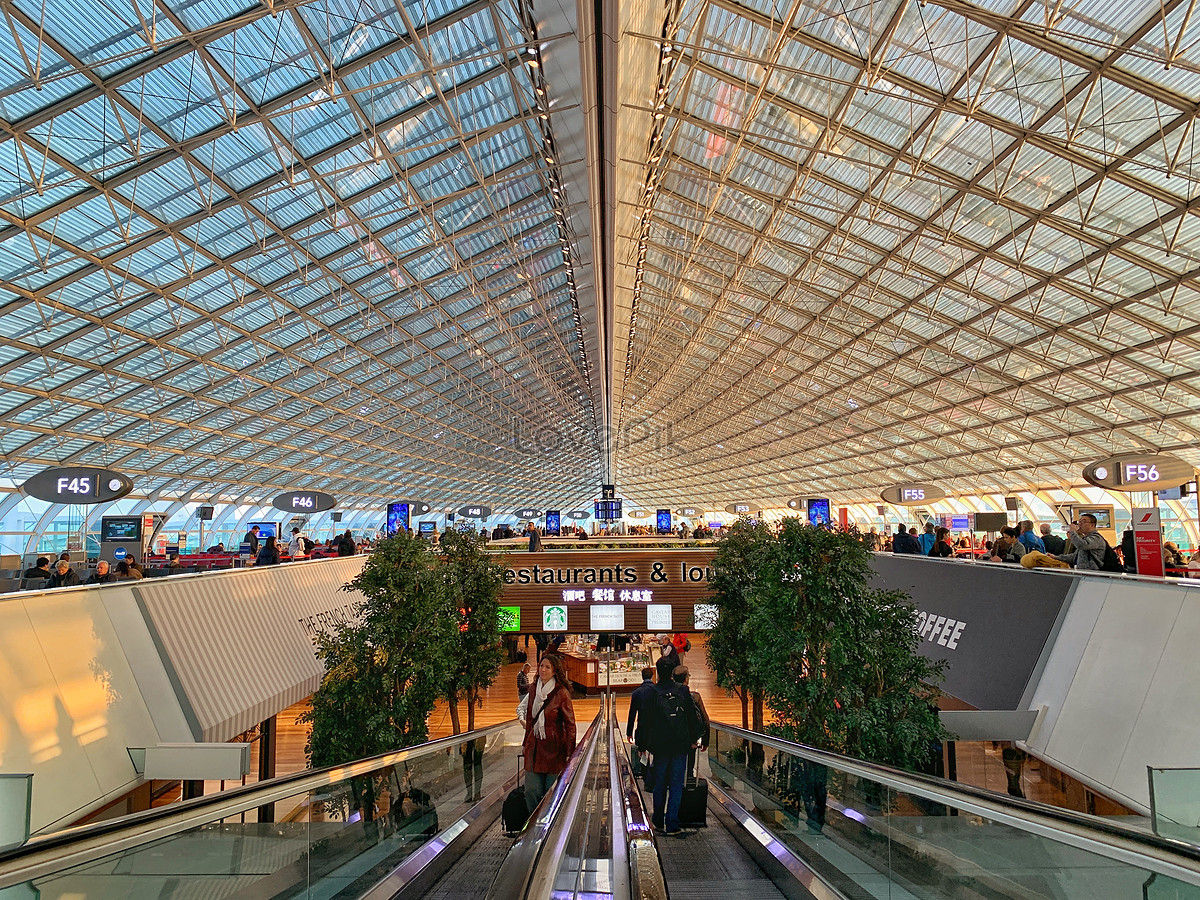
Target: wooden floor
<point x="979" y="764"/>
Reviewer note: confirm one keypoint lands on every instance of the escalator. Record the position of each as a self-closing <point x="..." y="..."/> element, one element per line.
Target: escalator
<point x="783" y="821"/>
<point x="790" y="821"/>
<point x="424" y="821"/>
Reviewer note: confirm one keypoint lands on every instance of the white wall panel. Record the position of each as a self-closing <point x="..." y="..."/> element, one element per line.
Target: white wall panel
<point x="86" y="673"/>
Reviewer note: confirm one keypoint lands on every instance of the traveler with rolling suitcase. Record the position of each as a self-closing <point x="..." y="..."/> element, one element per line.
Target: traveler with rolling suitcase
<point x="549" y="720"/>
<point x="676" y="729"/>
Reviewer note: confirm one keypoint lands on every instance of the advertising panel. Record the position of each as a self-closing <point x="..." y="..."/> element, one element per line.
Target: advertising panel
<point x="1147" y="540"/>
<point x="990" y="623"/>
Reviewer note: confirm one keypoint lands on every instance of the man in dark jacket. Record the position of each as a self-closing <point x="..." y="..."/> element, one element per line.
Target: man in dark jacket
<point x="668" y="653"/>
<point x="346" y="545"/>
<point x="102" y="575"/>
<point x="251" y="538"/>
<point x="1053" y="543"/>
<point x="64" y="575"/>
<point x="676" y="727"/>
<point x="640" y="702"/>
<point x="904" y="542"/>
<point x="36" y="575"/>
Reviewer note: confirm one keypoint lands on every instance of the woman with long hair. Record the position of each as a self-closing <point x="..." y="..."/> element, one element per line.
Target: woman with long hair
<point x="549" y="720"/>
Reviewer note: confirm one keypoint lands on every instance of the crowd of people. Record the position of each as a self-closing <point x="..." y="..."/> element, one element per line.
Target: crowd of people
<point x="1030" y="544"/>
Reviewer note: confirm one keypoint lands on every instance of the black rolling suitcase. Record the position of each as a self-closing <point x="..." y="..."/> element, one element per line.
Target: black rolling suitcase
<point x="515" y="813"/>
<point x="693" y="806"/>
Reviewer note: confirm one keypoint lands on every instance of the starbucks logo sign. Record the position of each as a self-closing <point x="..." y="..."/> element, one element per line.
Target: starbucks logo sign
<point x="554" y="618"/>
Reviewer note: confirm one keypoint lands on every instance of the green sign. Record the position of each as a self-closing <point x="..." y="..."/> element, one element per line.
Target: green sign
<point x="554" y="618"/>
<point x="510" y="618"/>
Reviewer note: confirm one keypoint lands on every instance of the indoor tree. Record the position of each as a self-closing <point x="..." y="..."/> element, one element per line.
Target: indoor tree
<point x="472" y="580"/>
<point x="730" y="645"/>
<point x="836" y="658"/>
<point x="384" y="671"/>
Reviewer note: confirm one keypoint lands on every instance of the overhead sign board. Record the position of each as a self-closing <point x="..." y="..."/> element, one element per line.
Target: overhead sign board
<point x="915" y="494"/>
<point x="691" y="512"/>
<point x="742" y="508"/>
<point x="796" y="503"/>
<point x="304" y="502"/>
<point x="638" y="513"/>
<point x="418" y="507"/>
<point x="78" y="485"/>
<point x="475" y="511"/>
<point x="1141" y="472"/>
<point x="579" y="515"/>
<point x="643" y="589"/>
<point x="528" y="512"/>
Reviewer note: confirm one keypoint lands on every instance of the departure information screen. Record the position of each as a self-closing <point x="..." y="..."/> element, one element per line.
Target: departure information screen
<point x="608" y="510"/>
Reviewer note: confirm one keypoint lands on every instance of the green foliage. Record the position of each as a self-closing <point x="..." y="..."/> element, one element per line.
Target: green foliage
<point x="385" y="672"/>
<point x="473" y="580"/>
<point x="731" y="647"/>
<point x="837" y="660"/>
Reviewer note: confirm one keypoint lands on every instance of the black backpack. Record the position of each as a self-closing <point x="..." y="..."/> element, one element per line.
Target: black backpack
<point x="307" y="544"/>
<point x="1111" y="562"/>
<point x="677" y="725"/>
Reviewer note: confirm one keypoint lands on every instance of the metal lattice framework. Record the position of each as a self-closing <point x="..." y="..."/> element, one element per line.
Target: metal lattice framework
<point x="893" y="241"/>
<point x="249" y="245"/>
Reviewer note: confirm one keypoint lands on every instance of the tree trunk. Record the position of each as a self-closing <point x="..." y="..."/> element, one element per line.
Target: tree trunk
<point x="745" y="698"/>
<point x="758" y="712"/>
<point x="452" y="702"/>
<point x="472" y="698"/>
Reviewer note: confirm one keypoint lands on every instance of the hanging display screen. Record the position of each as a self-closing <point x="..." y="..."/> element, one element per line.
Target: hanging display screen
<point x="397" y="517"/>
<point x="553" y="522"/>
<point x="662" y="521"/>
<point x="818" y="511"/>
<point x="608" y="510"/>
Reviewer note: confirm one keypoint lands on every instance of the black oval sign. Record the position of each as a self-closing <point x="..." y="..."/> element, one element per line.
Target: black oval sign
<point x="418" y="507"/>
<point x="912" y="494"/>
<point x="528" y="512"/>
<point x="742" y="508"/>
<point x="1139" y="472"/>
<point x="300" y="502"/>
<point x="78" y="485"/>
<point x="579" y="515"/>
<point x="475" y="511"/>
<point x="796" y="503"/>
<point x="690" y="511"/>
<point x="637" y="513"/>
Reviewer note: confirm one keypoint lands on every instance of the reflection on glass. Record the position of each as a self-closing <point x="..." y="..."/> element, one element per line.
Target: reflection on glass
<point x="861" y="836"/>
<point x="342" y="837"/>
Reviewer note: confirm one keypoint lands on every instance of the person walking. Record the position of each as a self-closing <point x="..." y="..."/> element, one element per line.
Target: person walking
<point x="523" y="681"/>
<point x="676" y="728"/>
<point x="549" y="719"/>
<point x="637" y="726"/>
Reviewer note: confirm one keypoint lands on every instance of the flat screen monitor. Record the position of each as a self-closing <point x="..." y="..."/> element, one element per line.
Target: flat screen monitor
<point x="397" y="517"/>
<point x="1103" y="516"/>
<point x="1175" y="493"/>
<point x="427" y="527"/>
<point x="121" y="528"/>
<point x="960" y="523"/>
<point x="265" y="529"/>
<point x="818" y="511"/>
<point x="608" y="510"/>
<point x="662" y="519"/>
<point x="990" y="521"/>
<point x="553" y="522"/>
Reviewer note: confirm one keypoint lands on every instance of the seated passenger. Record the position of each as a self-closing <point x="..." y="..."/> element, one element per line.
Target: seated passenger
<point x="39" y="572"/>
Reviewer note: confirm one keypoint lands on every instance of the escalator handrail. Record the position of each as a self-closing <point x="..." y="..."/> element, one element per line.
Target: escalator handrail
<point x="72" y="846"/>
<point x="1172" y="857"/>
<point x="646" y="878"/>
<point x="527" y="856"/>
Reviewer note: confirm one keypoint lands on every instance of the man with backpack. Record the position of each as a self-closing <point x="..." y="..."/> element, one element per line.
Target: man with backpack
<point x="299" y="547"/>
<point x="1089" y="549"/>
<point x="676" y="726"/>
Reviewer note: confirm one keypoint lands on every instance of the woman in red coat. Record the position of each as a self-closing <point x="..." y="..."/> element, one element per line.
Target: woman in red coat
<point x="549" y="720"/>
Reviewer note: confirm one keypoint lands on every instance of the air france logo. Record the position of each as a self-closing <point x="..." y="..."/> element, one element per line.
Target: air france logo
<point x="940" y="629"/>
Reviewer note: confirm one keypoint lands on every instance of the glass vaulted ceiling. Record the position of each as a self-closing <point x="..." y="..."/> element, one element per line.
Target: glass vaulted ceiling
<point x="249" y="245"/>
<point x="879" y="241"/>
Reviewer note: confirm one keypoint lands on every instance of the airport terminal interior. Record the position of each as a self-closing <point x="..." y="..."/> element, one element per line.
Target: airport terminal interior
<point x="612" y="286"/>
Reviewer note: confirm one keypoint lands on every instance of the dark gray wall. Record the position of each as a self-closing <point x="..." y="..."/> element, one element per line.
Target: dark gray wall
<point x="989" y="621"/>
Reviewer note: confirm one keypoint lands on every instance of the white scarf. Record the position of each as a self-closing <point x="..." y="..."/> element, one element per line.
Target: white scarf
<point x="539" y="708"/>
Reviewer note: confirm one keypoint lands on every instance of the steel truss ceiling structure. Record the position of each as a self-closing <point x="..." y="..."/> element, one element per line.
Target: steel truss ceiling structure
<point x="249" y="245"/>
<point x="880" y="241"/>
<point x="254" y="245"/>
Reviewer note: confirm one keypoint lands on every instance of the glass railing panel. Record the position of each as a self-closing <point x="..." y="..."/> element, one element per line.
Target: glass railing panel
<point x="866" y="838"/>
<point x="585" y="867"/>
<point x="332" y="841"/>
<point x="1175" y="803"/>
